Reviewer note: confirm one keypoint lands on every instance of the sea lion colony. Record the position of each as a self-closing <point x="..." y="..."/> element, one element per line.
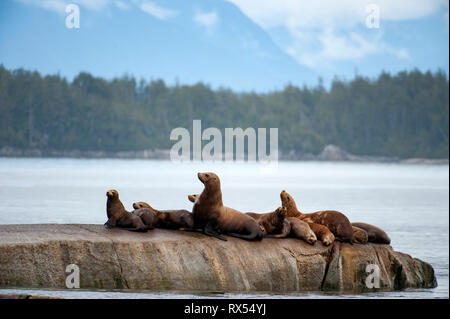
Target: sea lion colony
<point x="211" y="217"/>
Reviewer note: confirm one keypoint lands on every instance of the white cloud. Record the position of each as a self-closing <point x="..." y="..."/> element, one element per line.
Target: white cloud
<point x="333" y="47"/>
<point x="157" y="11"/>
<point x="96" y="5"/>
<point x="122" y="5"/>
<point x="206" y="19"/>
<point x="59" y="6"/>
<point x="331" y="13"/>
<point x="324" y="30"/>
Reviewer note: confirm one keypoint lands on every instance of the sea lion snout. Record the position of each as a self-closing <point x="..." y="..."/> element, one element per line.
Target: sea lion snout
<point x="284" y="196"/>
<point x="206" y="177"/>
<point x="202" y="177"/>
<point x="112" y="193"/>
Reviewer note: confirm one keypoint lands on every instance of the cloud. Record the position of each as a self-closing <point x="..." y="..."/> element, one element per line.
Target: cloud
<point x="206" y="19"/>
<point x="331" y="13"/>
<point x="157" y="11"/>
<point x="59" y="6"/>
<point x="96" y="5"/>
<point x="325" y="30"/>
<point x="122" y="5"/>
<point x="331" y="47"/>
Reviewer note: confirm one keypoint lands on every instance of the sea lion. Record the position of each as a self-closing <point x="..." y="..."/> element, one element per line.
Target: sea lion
<point x="359" y="235"/>
<point x="148" y="217"/>
<point x="213" y="218"/>
<point x="273" y="224"/>
<point x="193" y="197"/>
<point x="301" y="230"/>
<point x="309" y="232"/>
<point x="143" y="220"/>
<point x="374" y="234"/>
<point x="335" y="221"/>
<point x="170" y="219"/>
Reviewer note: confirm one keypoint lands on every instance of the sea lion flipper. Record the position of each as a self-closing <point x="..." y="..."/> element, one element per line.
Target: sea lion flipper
<point x="111" y="223"/>
<point x="246" y="237"/>
<point x="210" y="230"/>
<point x="214" y="234"/>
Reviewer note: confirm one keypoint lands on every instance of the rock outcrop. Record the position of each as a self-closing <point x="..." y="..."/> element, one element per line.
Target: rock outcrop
<point x="37" y="256"/>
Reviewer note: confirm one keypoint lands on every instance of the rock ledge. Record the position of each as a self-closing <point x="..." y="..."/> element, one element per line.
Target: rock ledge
<point x="37" y="256"/>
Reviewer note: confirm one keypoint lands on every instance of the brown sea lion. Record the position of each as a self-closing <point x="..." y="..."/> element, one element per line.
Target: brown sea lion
<point x="374" y="234"/>
<point x="273" y="224"/>
<point x="118" y="216"/>
<point x="170" y="219"/>
<point x="359" y="235"/>
<point x="322" y="233"/>
<point x="335" y="221"/>
<point x="301" y="230"/>
<point x="148" y="217"/>
<point x="213" y="218"/>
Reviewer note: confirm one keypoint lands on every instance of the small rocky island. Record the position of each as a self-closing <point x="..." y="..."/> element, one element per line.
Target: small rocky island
<point x="36" y="256"/>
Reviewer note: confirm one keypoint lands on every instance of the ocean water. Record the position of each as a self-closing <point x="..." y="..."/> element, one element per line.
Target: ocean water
<point x="409" y="201"/>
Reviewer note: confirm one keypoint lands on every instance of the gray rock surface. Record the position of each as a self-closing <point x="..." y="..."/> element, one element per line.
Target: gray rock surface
<point x="161" y="260"/>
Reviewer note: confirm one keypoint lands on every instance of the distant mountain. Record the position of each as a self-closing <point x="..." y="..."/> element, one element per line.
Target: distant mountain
<point x="211" y="41"/>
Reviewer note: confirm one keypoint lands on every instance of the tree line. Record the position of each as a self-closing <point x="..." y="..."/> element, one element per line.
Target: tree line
<point x="402" y="115"/>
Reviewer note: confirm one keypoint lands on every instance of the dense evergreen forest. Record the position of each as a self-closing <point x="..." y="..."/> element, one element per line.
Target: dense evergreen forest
<point x="403" y="115"/>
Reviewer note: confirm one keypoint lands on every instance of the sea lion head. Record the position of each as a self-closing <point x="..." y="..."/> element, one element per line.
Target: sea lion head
<point x="210" y="180"/>
<point x="192" y="198"/>
<point x="112" y="193"/>
<point x="138" y="205"/>
<point x="281" y="212"/>
<point x="288" y="202"/>
<point x="274" y="221"/>
<point x="286" y="199"/>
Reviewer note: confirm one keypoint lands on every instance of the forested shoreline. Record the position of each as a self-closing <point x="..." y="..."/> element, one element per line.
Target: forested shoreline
<point x="403" y="115"/>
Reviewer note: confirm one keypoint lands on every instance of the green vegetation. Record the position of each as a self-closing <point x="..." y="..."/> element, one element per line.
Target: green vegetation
<point x="405" y="115"/>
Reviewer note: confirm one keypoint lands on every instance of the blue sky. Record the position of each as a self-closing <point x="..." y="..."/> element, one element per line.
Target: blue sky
<point x="246" y="45"/>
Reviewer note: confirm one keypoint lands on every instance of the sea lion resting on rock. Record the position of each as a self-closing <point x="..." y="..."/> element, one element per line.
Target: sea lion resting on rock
<point x="273" y="224"/>
<point x="374" y="234"/>
<point x="140" y="220"/>
<point x="301" y="230"/>
<point x="322" y="232"/>
<point x="170" y="219"/>
<point x="213" y="218"/>
<point x="276" y="224"/>
<point x="359" y="235"/>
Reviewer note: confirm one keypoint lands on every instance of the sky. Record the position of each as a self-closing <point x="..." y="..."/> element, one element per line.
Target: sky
<point x="244" y="45"/>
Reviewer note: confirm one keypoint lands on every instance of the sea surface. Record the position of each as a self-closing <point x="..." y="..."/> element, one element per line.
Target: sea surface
<point x="409" y="201"/>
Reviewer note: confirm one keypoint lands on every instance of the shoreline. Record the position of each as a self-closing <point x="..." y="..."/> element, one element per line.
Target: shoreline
<point x="330" y="153"/>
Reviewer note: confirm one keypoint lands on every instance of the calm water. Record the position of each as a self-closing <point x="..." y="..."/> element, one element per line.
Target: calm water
<point x="410" y="202"/>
